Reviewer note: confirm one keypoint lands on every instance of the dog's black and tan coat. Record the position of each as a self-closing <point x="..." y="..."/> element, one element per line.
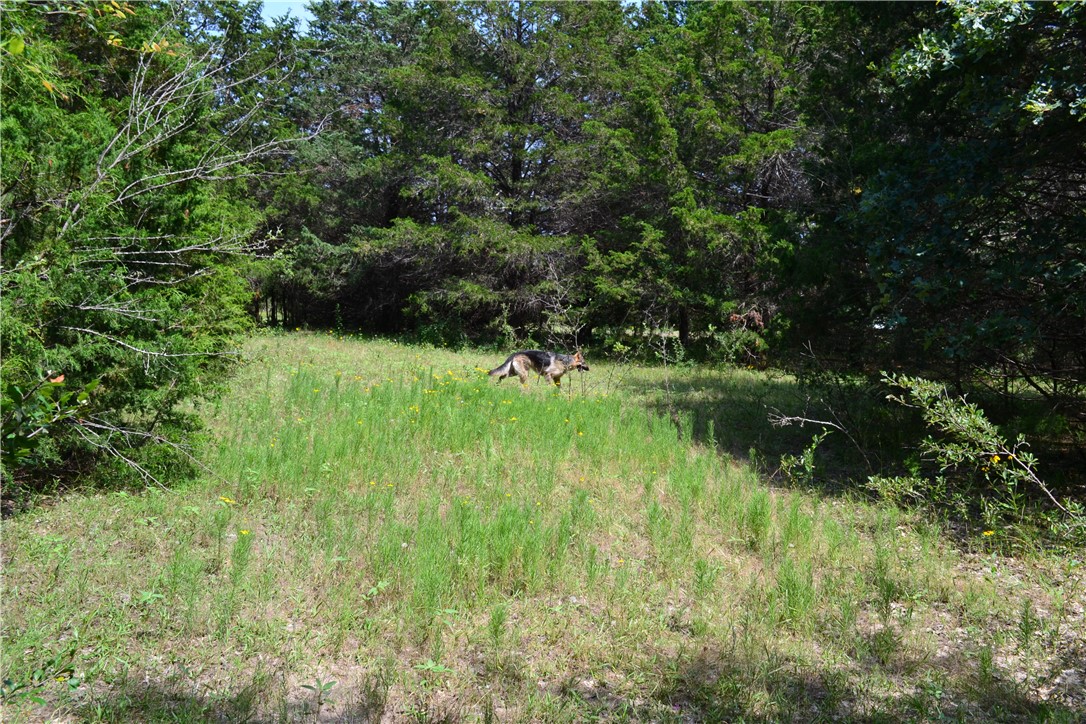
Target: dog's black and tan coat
<point x="549" y="365"/>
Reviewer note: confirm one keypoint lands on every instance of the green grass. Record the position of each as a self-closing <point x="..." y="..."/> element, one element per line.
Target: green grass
<point x="384" y="531"/>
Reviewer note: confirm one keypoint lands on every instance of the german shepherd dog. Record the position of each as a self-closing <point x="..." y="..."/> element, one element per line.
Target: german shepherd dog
<point x="549" y="365"/>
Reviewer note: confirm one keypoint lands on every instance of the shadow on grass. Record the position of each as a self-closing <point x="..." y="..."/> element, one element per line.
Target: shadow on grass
<point x="717" y="686"/>
<point x="263" y="699"/>
<point x="723" y="688"/>
<point x="711" y="685"/>
<point x="734" y="411"/>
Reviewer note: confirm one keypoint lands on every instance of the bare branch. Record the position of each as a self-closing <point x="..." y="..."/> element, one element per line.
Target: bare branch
<point x="91" y="427"/>
<point x="137" y="279"/>
<point x="160" y="112"/>
<point x="112" y="450"/>
<point x="777" y="419"/>
<point x="148" y="352"/>
<point x="235" y="245"/>
<point x="123" y="310"/>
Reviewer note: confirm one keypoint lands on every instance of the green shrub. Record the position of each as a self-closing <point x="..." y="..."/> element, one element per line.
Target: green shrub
<point x="970" y="450"/>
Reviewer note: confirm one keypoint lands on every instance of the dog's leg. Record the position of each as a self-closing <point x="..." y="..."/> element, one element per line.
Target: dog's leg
<point x="520" y="366"/>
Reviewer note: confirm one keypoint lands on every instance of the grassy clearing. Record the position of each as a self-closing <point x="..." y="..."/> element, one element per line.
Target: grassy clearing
<point x="384" y="532"/>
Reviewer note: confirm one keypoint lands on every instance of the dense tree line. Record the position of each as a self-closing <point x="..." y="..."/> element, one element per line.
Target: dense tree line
<point x="885" y="184"/>
<point x="526" y="170"/>
<point x="959" y="198"/>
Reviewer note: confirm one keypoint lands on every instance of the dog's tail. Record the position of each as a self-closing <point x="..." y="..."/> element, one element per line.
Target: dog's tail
<point x="504" y="369"/>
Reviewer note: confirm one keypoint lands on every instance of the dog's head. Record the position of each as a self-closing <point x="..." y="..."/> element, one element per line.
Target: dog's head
<point x="578" y="362"/>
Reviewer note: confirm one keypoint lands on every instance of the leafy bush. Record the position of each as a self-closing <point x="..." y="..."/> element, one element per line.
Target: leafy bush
<point x="123" y="172"/>
<point x="972" y="452"/>
<point x="29" y="416"/>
